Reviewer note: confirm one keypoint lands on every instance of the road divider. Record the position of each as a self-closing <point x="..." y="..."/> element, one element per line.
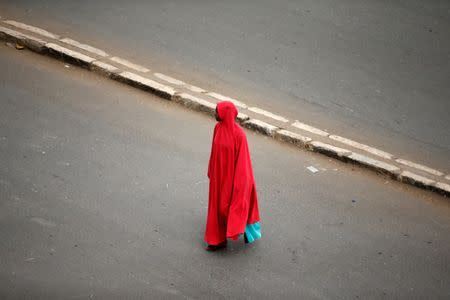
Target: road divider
<point x="252" y="117"/>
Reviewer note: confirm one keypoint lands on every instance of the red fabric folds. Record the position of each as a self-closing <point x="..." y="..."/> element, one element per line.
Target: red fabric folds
<point x="233" y="199"/>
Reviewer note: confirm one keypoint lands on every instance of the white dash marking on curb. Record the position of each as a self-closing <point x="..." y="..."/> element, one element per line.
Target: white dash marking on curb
<point x="105" y="66"/>
<point x="443" y="186"/>
<point x="195" y="89"/>
<point x="419" y="167"/>
<point x="310" y="128"/>
<point x="129" y="64"/>
<point x="148" y="82"/>
<point x="70" y="53"/>
<point x="268" y="114"/>
<point x="367" y="148"/>
<point x="169" y="79"/>
<point x="225" y="98"/>
<point x="34" y="29"/>
<point x="416" y="178"/>
<point x="20" y="35"/>
<point x="362" y="159"/>
<point x="84" y="47"/>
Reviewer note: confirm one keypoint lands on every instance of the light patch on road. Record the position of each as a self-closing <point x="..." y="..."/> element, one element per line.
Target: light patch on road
<point x="34" y="29"/>
<point x="84" y="47"/>
<point x="419" y="167"/>
<point x="311" y="129"/>
<point x="43" y="222"/>
<point x="129" y="64"/>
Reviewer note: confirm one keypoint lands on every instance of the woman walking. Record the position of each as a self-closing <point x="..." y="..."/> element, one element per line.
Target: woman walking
<point x="233" y="202"/>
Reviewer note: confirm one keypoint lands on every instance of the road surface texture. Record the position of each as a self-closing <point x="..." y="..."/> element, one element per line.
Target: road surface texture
<point x="103" y="195"/>
<point x="374" y="71"/>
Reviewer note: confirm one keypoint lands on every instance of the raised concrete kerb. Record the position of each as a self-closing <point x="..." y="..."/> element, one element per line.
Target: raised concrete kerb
<point x="33" y="43"/>
<point x="366" y="148"/>
<point x="33" y="29"/>
<point x="225" y="98"/>
<point x="268" y="114"/>
<point x="374" y="164"/>
<point x="416" y="180"/>
<point x="292" y="138"/>
<point x="69" y="55"/>
<point x="419" y="167"/>
<point x="327" y="149"/>
<point x="442" y="188"/>
<point x="104" y="68"/>
<point x="195" y="103"/>
<point x="146" y="84"/>
<point x="129" y="64"/>
<point x="85" y="47"/>
<point x="310" y="129"/>
<point x="261" y="127"/>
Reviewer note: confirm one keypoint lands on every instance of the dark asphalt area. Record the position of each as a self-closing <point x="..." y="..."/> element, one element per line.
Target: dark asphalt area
<point x="377" y="72"/>
<point x="103" y="195"/>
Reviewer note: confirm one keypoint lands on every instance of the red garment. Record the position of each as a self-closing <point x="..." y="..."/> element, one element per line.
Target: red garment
<point x="233" y="200"/>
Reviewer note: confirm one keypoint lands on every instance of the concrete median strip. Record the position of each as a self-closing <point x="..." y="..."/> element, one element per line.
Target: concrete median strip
<point x="309" y="128"/>
<point x="327" y="149"/>
<point x="33" y="29"/>
<point x="102" y="65"/>
<point x="366" y="148"/>
<point x="415" y="179"/>
<point x="268" y="114"/>
<point x="225" y="98"/>
<point x="442" y="188"/>
<point x="85" y="47"/>
<point x="374" y="164"/>
<point x="292" y="138"/>
<point x="146" y="84"/>
<point x="260" y="126"/>
<point x="103" y="68"/>
<point x="129" y="64"/>
<point x="419" y="167"/>
<point x="195" y="103"/>
<point x="70" y="55"/>
<point x="168" y="79"/>
<point x="33" y="43"/>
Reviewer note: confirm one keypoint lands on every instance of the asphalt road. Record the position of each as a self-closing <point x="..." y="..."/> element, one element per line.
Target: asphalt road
<point x="374" y="71"/>
<point x="103" y="195"/>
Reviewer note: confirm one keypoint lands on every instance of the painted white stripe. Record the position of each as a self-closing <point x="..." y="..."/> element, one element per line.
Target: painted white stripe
<point x="225" y="98"/>
<point x="19" y="35"/>
<point x="416" y="178"/>
<point x="148" y="82"/>
<point x="34" y="29"/>
<point x="443" y="186"/>
<point x="195" y="89"/>
<point x="105" y="66"/>
<point x="419" y="167"/>
<point x="84" y="47"/>
<point x="367" y="148"/>
<point x="71" y="53"/>
<point x="268" y="114"/>
<point x="129" y="64"/>
<point x="311" y="129"/>
<point x="169" y="79"/>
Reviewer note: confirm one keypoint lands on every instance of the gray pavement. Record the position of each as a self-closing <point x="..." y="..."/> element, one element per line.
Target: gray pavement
<point x="103" y="195"/>
<point x="377" y="72"/>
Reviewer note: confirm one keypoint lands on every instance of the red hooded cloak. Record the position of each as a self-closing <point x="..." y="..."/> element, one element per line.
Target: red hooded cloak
<point x="233" y="200"/>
